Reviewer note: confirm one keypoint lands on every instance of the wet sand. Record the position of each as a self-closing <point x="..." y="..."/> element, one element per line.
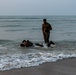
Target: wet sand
<point x="61" y="67"/>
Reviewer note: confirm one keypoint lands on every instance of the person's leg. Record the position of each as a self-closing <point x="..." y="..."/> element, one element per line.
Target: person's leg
<point x="44" y="35"/>
<point x="52" y="42"/>
<point x="37" y="44"/>
<point x="47" y="37"/>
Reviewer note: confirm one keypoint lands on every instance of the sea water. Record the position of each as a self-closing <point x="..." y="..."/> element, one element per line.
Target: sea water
<point x="15" y="29"/>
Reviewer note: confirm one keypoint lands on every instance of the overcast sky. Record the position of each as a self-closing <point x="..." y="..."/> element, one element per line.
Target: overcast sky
<point x="37" y="7"/>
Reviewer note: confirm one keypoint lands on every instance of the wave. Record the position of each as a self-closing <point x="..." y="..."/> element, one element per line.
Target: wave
<point x="14" y="30"/>
<point x="20" y="17"/>
<point x="11" y="26"/>
<point x="8" y="62"/>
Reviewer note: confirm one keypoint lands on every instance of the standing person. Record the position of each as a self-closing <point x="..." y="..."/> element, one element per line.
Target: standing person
<point x="46" y="27"/>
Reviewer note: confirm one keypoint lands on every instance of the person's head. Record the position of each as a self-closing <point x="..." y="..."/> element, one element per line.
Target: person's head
<point x="44" y="20"/>
<point x="27" y="40"/>
<point x="24" y="41"/>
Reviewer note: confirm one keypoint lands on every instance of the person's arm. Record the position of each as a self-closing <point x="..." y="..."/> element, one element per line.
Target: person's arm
<point x="50" y="27"/>
<point x="42" y="28"/>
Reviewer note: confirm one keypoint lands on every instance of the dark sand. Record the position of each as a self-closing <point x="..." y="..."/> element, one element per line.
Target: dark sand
<point x="62" y="67"/>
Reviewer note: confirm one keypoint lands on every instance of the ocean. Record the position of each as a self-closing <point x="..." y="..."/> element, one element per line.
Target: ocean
<point x="15" y="29"/>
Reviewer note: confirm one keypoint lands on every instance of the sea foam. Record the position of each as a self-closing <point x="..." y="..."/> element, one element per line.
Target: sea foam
<point x="8" y="62"/>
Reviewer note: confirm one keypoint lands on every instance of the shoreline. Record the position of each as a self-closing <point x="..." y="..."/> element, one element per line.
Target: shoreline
<point x="60" y="67"/>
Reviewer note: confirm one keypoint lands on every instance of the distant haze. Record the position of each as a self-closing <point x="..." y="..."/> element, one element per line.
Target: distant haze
<point x="37" y="7"/>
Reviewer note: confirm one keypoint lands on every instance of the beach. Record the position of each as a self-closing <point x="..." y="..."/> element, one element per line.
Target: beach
<point x="15" y="60"/>
<point x="61" y="67"/>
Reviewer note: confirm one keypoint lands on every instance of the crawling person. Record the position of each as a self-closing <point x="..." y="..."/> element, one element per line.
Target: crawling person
<point x="29" y="44"/>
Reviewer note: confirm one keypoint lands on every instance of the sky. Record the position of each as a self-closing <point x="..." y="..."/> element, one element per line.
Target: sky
<point x="37" y="7"/>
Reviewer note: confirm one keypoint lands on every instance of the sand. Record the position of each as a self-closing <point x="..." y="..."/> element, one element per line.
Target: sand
<point x="61" y="67"/>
